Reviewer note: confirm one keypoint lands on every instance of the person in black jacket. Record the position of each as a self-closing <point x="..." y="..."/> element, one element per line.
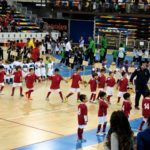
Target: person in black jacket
<point x="1" y="53"/>
<point x="142" y="75"/>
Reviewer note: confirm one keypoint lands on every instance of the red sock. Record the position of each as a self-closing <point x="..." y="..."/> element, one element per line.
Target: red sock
<point x="78" y="96"/>
<point x="99" y="128"/>
<point x="108" y="98"/>
<point x="2" y="87"/>
<point x="91" y="97"/>
<point x="94" y="97"/>
<point x="29" y="93"/>
<point x="21" y="91"/>
<point x="61" y="96"/>
<point x="141" y="125"/>
<point x="69" y="95"/>
<point x="80" y="133"/>
<point x="119" y="99"/>
<point x="104" y="126"/>
<point x="48" y="94"/>
<point x="13" y="90"/>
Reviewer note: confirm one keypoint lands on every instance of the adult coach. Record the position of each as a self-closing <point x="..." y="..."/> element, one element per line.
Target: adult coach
<point x="142" y="75"/>
<point x="143" y="138"/>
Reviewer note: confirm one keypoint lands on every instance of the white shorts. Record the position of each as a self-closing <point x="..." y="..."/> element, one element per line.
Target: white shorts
<point x="54" y="90"/>
<point x="101" y="89"/>
<point x="109" y="90"/>
<point x="102" y="120"/>
<point x="81" y="126"/>
<point x="74" y="90"/>
<point x="2" y="84"/>
<point x="120" y="94"/>
<point x="43" y="73"/>
<point x="17" y="84"/>
<point x="145" y="119"/>
<point x="93" y="92"/>
<point x="38" y="72"/>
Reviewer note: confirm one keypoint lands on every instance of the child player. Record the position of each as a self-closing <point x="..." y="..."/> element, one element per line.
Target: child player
<point x="93" y="87"/>
<point x="145" y="108"/>
<point x="82" y="117"/>
<point x="127" y="104"/>
<point x="55" y="84"/>
<point x="110" y="85"/>
<point x="122" y="86"/>
<point x="102" y="112"/>
<point x="17" y="80"/>
<point x="30" y="79"/>
<point x="2" y="74"/>
<point x="101" y="80"/>
<point x="76" y="79"/>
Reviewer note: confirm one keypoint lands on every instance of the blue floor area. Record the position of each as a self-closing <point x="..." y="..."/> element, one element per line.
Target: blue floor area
<point x="66" y="72"/>
<point x="70" y="142"/>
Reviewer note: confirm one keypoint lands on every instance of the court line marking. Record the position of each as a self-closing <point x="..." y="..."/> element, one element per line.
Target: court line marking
<point x="29" y="126"/>
<point x="38" y="114"/>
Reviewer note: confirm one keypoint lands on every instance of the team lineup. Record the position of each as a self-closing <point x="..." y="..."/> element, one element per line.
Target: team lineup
<point x="101" y="81"/>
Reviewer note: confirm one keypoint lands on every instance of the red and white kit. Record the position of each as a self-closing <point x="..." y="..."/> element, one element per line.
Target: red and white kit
<point x="76" y="78"/>
<point x="101" y="82"/>
<point x="82" y="115"/>
<point x="123" y="84"/>
<point x="126" y="108"/>
<point x="146" y="108"/>
<point x="110" y="86"/>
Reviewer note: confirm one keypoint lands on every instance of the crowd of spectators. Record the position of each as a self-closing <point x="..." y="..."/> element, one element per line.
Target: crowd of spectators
<point x="127" y="6"/>
<point x="7" y="23"/>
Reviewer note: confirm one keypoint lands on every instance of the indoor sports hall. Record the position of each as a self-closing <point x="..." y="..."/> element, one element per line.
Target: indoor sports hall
<point x="74" y="75"/>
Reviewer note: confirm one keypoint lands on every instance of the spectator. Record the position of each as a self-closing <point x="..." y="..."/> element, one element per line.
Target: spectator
<point x="4" y="5"/>
<point x="121" y="54"/>
<point x="1" y="53"/>
<point x="143" y="138"/>
<point x="120" y="135"/>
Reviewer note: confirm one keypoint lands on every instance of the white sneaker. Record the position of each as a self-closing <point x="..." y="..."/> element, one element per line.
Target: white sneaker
<point x="100" y="134"/>
<point x="1" y="93"/>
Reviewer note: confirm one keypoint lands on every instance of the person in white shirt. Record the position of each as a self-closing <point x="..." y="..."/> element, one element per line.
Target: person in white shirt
<point x="68" y="48"/>
<point x="121" y="54"/>
<point x="146" y="55"/>
<point x="81" y="42"/>
<point x="140" y="54"/>
<point x="135" y="55"/>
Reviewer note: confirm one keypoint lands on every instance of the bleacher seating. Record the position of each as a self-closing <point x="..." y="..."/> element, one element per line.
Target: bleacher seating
<point x="12" y="20"/>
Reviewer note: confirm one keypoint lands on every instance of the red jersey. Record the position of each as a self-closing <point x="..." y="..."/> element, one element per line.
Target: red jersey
<point x="110" y="82"/>
<point x="30" y="79"/>
<point x="103" y="106"/>
<point x="123" y="83"/>
<point x="93" y="84"/>
<point x="76" y="78"/>
<point x="82" y="114"/>
<point x="126" y="107"/>
<point x="102" y="81"/>
<point x="56" y="79"/>
<point x="17" y="76"/>
<point x="2" y="74"/>
<point x="146" y="107"/>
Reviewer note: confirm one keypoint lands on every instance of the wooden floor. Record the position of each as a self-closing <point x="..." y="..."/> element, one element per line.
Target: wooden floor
<point x="24" y="123"/>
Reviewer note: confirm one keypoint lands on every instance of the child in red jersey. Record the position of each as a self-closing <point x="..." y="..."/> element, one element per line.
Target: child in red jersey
<point x="76" y="79"/>
<point x="110" y="85"/>
<point x="93" y="87"/>
<point x="122" y="86"/>
<point x="55" y="84"/>
<point x="82" y="116"/>
<point x="30" y="79"/>
<point x="127" y="105"/>
<point x="102" y="112"/>
<point x="2" y="74"/>
<point x="17" y="80"/>
<point x="102" y="80"/>
<point x="145" y="109"/>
